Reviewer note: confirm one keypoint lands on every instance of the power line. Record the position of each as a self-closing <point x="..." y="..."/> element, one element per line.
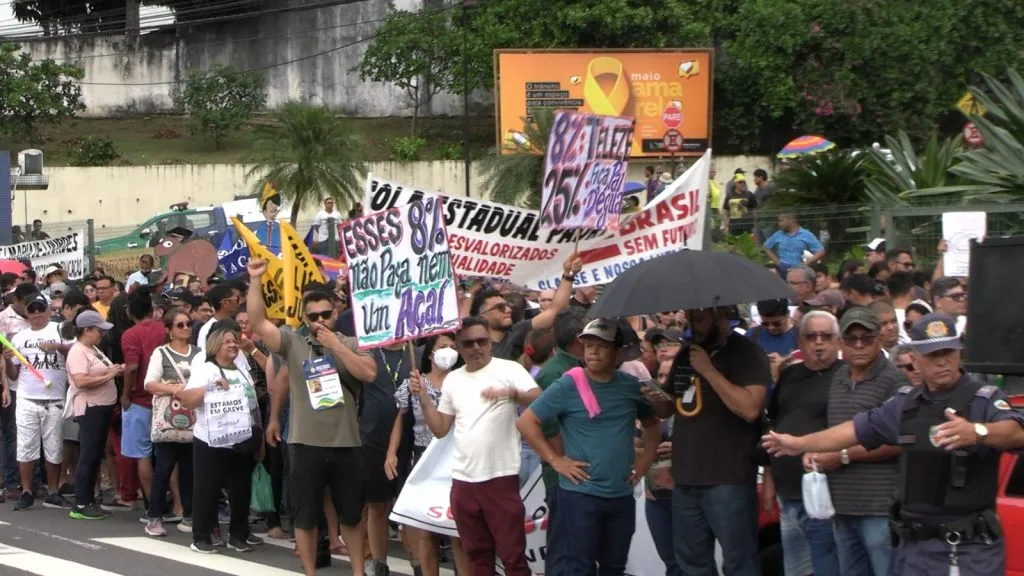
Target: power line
<point x="196" y="7"/>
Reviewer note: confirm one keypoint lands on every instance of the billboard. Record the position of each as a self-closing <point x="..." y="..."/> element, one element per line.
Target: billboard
<point x="636" y="83"/>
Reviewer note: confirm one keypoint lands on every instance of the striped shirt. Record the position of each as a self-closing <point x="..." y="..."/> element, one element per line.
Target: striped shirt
<point x="863" y="488"/>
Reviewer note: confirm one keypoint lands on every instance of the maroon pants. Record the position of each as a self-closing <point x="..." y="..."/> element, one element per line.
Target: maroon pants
<point x="491" y="519"/>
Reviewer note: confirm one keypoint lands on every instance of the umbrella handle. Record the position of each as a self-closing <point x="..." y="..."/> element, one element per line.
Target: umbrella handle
<point x="698" y="402"/>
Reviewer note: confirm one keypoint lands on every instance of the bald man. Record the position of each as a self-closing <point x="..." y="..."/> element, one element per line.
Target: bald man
<point x="545" y="298"/>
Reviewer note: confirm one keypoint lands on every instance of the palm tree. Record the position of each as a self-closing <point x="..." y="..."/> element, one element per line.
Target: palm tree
<point x="308" y="153"/>
<point x="515" y="176"/>
<point x="906" y="170"/>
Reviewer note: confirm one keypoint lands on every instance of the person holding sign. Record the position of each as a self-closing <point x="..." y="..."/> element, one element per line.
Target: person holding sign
<point x="323" y="428"/>
<point x="479" y="406"/>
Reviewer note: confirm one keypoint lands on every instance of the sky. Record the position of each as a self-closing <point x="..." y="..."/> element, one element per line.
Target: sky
<point x="146" y="13"/>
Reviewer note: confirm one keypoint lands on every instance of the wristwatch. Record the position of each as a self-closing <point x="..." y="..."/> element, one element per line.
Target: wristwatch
<point x="844" y="456"/>
<point x="982" y="432"/>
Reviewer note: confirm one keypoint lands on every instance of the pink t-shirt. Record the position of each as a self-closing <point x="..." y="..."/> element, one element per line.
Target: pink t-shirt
<point x="90" y="362"/>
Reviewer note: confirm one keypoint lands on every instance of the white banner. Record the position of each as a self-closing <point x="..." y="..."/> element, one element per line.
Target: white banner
<point x="425" y="503"/>
<point x="227" y="416"/>
<point x="498" y="241"/>
<point x="66" y="251"/>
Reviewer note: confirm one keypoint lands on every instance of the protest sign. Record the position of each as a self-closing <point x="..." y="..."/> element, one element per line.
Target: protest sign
<point x="585" y="170"/>
<point x="424" y="503"/>
<point x="273" y="278"/>
<point x="498" y="241"/>
<point x="232" y="255"/>
<point x="400" y="274"/>
<point x="299" y="270"/>
<point x="66" y="251"/>
<point x="227" y="416"/>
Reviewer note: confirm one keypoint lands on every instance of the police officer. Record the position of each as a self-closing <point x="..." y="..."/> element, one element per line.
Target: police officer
<point x="952" y="430"/>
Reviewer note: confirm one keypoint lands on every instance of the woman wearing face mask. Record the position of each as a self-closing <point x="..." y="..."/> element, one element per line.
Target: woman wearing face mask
<point x="439" y="358"/>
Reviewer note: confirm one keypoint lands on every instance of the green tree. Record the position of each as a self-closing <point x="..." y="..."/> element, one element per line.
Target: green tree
<point x="220" y="100"/>
<point x="34" y="93"/>
<point x="309" y="153"/>
<point x="907" y="170"/>
<point x="517" y="176"/>
<point x="412" y="51"/>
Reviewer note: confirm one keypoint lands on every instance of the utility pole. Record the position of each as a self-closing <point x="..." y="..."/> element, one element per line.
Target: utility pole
<point x="465" y="92"/>
<point x="131" y="18"/>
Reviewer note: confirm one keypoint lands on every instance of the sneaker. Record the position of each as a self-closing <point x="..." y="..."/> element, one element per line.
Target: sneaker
<point x="155" y="527"/>
<point x="203" y="547"/>
<point x="217" y="539"/>
<point x="376" y="568"/>
<point x="25" y="501"/>
<point x="66" y="489"/>
<point x="253" y="540"/>
<point x="172" y="518"/>
<point x="239" y="544"/>
<point x="394" y="534"/>
<point x="56" y="501"/>
<point x="90" y="512"/>
<point x="185" y="525"/>
<point x="118" y="506"/>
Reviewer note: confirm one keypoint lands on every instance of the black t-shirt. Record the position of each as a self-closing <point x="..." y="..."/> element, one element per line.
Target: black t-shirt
<point x="379" y="407"/>
<point x="511" y="345"/>
<point x="716" y="446"/>
<point x="798" y="406"/>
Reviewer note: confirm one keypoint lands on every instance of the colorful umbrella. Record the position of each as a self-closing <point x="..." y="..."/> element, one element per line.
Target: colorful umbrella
<point x="12" y="266"/>
<point x="331" y="267"/>
<point x="805" y="145"/>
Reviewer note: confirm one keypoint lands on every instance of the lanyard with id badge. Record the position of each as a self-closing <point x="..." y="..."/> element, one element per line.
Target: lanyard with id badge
<point x="322" y="382"/>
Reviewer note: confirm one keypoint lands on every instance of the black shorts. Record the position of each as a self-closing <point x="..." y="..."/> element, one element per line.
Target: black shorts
<point x="378" y="487"/>
<point x="314" y="470"/>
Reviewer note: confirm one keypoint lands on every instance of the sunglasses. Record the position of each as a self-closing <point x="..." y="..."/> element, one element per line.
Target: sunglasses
<point x="475" y="343"/>
<point x="865" y="339"/>
<point x="315" y="316"/>
<point x="819" y="336"/>
<point x="503" y="307"/>
<point x="36" y="309"/>
<point x="183" y="324"/>
<point x="907" y="367"/>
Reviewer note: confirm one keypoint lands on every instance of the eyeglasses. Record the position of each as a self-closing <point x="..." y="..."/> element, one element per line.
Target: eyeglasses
<point x="503" y="307"/>
<point x="475" y="343"/>
<point x="907" y="367"/>
<point x="819" y="336"/>
<point x="314" y="316"/>
<point x="865" y="339"/>
<point x="183" y="324"/>
<point x="956" y="296"/>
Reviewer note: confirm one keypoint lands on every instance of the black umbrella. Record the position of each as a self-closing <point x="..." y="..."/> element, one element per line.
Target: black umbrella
<point x="688" y="280"/>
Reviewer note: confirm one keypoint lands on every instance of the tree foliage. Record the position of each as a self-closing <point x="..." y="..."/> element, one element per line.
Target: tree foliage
<point x="516" y="177"/>
<point x="309" y="153"/>
<point x="908" y="170"/>
<point x="34" y="93"/>
<point x="220" y="100"/>
<point x="412" y="51"/>
<point x="90" y="16"/>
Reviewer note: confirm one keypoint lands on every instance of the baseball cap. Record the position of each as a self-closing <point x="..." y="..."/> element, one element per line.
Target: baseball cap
<point x="58" y="288"/>
<point x="859" y="316"/>
<point x="92" y="319"/>
<point x="601" y="329"/>
<point x="878" y="244"/>
<point x="37" y="299"/>
<point x="51" y="269"/>
<point x="934" y="332"/>
<point x="671" y="335"/>
<point x="829" y="298"/>
<point x="182" y="295"/>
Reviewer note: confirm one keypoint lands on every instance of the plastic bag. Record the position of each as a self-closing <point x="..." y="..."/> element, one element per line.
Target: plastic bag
<point x="817" y="499"/>
<point x="262" y="492"/>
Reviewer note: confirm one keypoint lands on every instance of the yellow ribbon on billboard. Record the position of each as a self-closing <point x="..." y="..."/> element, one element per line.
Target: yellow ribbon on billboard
<point x="299" y="269"/>
<point x="273" y="278"/>
<point x="612" y="102"/>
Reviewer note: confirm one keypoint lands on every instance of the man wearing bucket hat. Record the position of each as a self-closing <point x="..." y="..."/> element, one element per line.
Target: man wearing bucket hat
<point x="952" y="430"/>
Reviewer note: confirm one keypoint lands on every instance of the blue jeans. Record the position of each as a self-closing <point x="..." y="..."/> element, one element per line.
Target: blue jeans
<point x="702" y="514"/>
<point x="528" y="462"/>
<point x="553" y="543"/>
<point x="808" y="545"/>
<point x="865" y="545"/>
<point x="594" y="530"/>
<point x="9" y="431"/>
<point x="659" y="521"/>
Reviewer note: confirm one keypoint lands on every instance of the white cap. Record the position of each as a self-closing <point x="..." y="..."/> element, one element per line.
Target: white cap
<point x="602" y="330"/>
<point x="874" y="244"/>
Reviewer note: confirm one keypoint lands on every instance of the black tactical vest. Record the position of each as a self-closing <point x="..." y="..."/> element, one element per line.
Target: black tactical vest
<point x="935" y="481"/>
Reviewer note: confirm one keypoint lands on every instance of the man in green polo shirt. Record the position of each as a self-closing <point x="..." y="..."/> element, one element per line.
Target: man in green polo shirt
<point x="568" y="325"/>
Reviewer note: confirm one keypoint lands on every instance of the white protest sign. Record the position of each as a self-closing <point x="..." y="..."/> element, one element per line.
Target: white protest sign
<point x="66" y="251"/>
<point x="499" y="241"/>
<point x="585" y="170"/>
<point x="227" y="416"/>
<point x="424" y="503"/>
<point x="958" y="229"/>
<point x="400" y="274"/>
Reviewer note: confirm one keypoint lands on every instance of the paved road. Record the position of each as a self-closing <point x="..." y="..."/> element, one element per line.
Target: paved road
<point x="46" y="542"/>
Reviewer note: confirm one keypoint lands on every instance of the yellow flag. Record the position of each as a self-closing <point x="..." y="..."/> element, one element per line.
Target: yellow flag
<point x="300" y="269"/>
<point x="273" y="278"/>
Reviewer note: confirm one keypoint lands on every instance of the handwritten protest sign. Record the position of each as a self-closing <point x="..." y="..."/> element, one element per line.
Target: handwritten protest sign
<point x="66" y="251"/>
<point x="585" y="170"/>
<point x="400" y="274"/>
<point x="498" y="241"/>
<point x="227" y="416"/>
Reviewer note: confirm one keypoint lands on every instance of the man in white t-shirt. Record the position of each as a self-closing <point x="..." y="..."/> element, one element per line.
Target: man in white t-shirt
<point x="322" y="226"/>
<point x="39" y="413"/>
<point x="480" y="401"/>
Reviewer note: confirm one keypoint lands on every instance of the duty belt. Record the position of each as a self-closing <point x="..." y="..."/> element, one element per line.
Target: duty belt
<point x="983" y="525"/>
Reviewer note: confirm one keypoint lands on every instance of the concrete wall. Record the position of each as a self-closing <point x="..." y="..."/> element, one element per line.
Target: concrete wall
<point x="119" y="198"/>
<point x="124" y="76"/>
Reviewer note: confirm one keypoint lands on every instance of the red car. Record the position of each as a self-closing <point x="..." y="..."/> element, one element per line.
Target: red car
<point x="1010" y="504"/>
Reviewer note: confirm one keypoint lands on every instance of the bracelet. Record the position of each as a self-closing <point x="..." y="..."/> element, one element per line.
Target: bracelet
<point x="569" y="277"/>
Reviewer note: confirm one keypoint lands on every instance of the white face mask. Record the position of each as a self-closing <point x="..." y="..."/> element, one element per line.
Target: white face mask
<point x="445" y="358"/>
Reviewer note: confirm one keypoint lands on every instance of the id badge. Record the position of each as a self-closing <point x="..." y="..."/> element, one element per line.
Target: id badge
<point x="323" y="383"/>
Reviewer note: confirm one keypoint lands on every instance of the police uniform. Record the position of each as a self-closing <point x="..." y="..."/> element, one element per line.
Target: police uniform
<point x="944" y="514"/>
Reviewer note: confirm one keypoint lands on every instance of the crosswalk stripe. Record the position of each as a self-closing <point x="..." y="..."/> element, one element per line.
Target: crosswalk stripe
<point x="179" y="553"/>
<point x="43" y="565"/>
<point x="397" y="565"/>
